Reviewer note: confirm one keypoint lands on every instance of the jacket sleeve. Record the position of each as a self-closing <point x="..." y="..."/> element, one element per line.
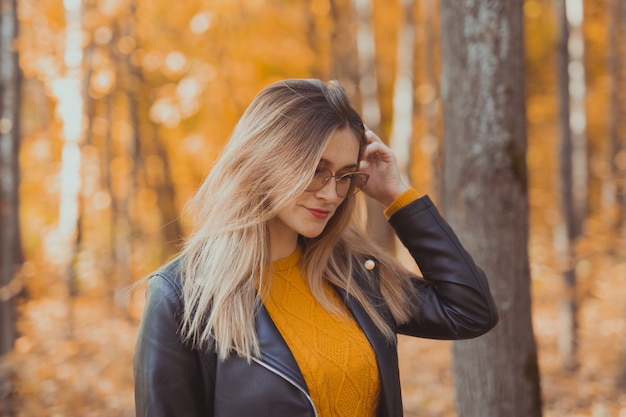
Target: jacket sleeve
<point x="453" y="298"/>
<point x="169" y="377"/>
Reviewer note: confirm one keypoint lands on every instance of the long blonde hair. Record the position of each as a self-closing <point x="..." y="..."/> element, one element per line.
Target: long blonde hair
<point x="269" y="159"/>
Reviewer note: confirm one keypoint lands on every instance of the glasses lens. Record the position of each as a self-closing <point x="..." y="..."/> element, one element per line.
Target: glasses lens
<point x="359" y="180"/>
<point x="320" y="179"/>
<point x="346" y="185"/>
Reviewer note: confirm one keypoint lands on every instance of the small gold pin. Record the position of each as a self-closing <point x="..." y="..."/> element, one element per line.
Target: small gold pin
<point x="369" y="264"/>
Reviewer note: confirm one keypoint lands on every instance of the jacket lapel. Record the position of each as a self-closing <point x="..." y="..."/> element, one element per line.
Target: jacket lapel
<point x="274" y="349"/>
<point x="386" y="355"/>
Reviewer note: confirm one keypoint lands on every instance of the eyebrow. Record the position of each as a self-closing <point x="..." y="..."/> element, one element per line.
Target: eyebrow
<point x="326" y="162"/>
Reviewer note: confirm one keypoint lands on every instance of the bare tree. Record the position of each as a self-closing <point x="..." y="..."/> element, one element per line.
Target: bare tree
<point x="485" y="197"/>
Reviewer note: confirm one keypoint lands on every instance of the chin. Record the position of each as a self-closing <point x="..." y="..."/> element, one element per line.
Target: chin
<point x="311" y="234"/>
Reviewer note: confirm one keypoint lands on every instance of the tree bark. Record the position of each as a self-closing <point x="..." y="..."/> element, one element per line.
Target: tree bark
<point x="573" y="175"/>
<point x="11" y="256"/>
<point x="485" y="198"/>
<point x="577" y="86"/>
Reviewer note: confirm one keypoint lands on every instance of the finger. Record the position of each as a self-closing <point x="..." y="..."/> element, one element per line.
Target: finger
<point x="371" y="149"/>
<point x="371" y="136"/>
<point x="377" y="150"/>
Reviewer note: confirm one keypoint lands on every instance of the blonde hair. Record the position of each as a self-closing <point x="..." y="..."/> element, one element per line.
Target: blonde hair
<point x="267" y="162"/>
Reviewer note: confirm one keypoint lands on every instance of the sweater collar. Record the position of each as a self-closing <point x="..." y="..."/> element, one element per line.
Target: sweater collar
<point x="289" y="262"/>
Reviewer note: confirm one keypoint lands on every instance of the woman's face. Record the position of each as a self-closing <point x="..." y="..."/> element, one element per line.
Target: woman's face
<point x="310" y="212"/>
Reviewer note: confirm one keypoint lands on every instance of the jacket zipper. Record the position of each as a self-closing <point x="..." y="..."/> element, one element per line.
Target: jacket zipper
<point x="286" y="378"/>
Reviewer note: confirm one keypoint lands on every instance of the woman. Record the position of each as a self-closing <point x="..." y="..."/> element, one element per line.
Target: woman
<point x="278" y="305"/>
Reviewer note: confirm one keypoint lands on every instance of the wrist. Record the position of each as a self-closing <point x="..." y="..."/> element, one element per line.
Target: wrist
<point x="402" y="200"/>
<point x="394" y="194"/>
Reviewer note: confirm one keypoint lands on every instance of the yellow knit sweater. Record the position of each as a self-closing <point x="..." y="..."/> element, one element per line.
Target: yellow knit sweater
<point x="334" y="356"/>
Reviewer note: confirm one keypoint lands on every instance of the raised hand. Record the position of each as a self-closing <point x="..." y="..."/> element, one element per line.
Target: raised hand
<point x="379" y="161"/>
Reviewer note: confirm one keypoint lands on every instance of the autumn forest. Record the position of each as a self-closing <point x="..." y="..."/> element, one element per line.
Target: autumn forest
<point x="510" y="114"/>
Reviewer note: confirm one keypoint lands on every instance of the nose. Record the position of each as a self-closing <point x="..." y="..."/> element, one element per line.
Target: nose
<point x="329" y="191"/>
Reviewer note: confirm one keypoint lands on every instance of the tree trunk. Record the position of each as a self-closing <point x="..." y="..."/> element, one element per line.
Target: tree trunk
<point x="366" y="48"/>
<point x="428" y="95"/>
<point x="377" y="226"/>
<point x="609" y="193"/>
<point x="10" y="243"/>
<point x="11" y="256"/>
<point x="574" y="13"/>
<point x="573" y="177"/>
<point x="317" y="68"/>
<point x="69" y="92"/>
<point x="161" y="181"/>
<point x="622" y="26"/>
<point x="126" y="230"/>
<point x="485" y="198"/>
<point x="618" y="17"/>
<point x="118" y="185"/>
<point x="118" y="225"/>
<point x="344" y="59"/>
<point x="403" y="96"/>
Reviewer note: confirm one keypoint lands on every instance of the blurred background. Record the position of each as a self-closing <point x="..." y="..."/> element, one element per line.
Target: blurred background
<point x="113" y="111"/>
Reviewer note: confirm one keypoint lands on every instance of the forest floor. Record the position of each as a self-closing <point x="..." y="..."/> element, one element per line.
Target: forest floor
<point x="78" y="362"/>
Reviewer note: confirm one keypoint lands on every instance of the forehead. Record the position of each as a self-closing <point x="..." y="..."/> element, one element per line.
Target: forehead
<point x="342" y="149"/>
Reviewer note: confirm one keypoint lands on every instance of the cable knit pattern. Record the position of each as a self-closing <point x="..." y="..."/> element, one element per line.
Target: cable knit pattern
<point x="334" y="356"/>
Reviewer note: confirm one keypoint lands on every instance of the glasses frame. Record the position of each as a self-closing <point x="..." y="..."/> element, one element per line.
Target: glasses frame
<point x="352" y="189"/>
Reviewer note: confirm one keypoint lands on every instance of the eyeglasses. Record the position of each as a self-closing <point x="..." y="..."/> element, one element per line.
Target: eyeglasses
<point x="346" y="185"/>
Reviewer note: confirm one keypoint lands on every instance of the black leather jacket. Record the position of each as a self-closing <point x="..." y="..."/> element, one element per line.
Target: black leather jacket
<point x="173" y="380"/>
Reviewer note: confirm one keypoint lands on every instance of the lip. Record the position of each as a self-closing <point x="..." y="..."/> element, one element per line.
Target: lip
<point x="319" y="213"/>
